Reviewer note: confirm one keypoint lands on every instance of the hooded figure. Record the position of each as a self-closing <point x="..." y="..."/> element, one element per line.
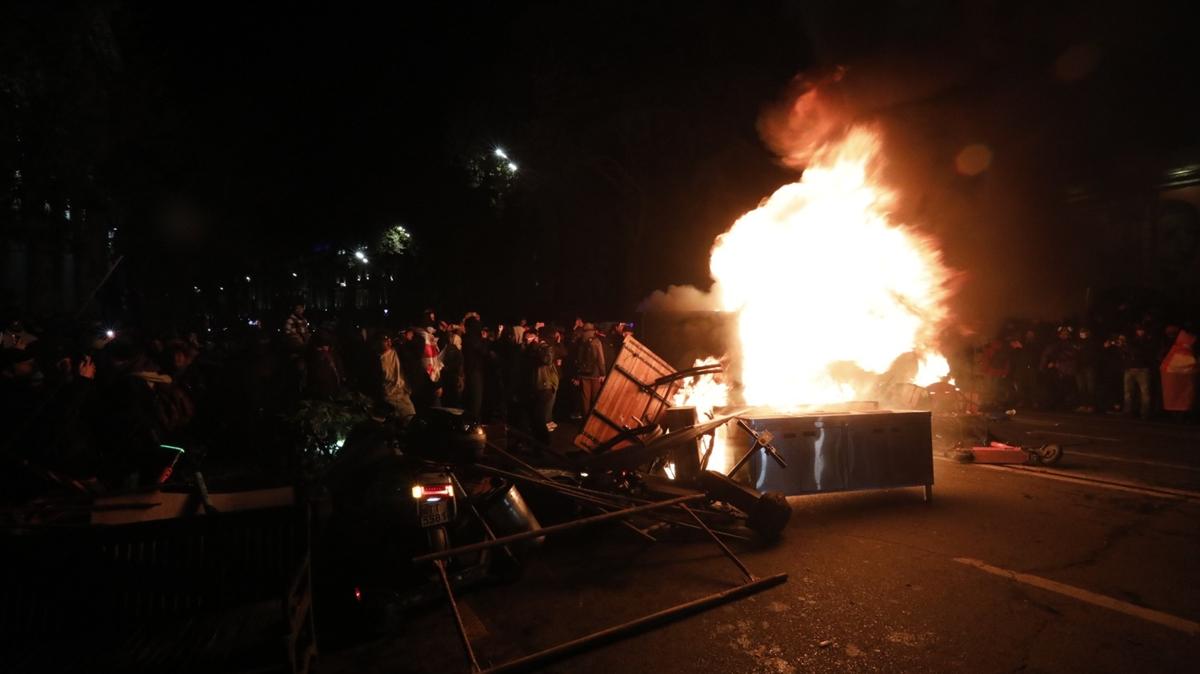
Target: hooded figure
<point x="393" y="387"/>
<point x="1179" y="374"/>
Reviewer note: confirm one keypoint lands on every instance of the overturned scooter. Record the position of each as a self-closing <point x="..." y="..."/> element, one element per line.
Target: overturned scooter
<point x="963" y="433"/>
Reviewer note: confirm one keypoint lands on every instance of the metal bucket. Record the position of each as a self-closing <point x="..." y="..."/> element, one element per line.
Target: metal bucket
<point x="509" y="514"/>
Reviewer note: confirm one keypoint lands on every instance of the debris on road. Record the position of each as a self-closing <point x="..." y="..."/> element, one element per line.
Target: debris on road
<point x="964" y="433"/>
<point x="646" y="475"/>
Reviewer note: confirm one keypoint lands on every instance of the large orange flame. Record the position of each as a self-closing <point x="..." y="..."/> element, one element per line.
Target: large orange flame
<point x="828" y="290"/>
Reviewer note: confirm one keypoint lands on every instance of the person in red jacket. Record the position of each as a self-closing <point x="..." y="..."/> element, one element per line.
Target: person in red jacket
<point x="994" y="366"/>
<point x="1179" y="375"/>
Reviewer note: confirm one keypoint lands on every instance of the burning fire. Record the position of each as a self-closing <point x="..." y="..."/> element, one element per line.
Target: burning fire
<point x="828" y="290"/>
<point x="704" y="392"/>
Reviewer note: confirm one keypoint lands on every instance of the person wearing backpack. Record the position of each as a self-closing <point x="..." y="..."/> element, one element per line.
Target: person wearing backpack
<point x="589" y="366"/>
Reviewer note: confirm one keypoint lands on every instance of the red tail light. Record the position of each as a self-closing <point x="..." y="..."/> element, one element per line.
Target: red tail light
<point x="422" y="491"/>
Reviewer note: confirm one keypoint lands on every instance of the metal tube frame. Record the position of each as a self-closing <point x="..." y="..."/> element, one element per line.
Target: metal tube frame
<point x="554" y="529"/>
<point x="711" y="368"/>
<point x="598" y="498"/>
<point x="598" y="504"/>
<point x="720" y="544"/>
<point x="458" y="622"/>
<point x="637" y="625"/>
<point x="759" y="443"/>
<point x="751" y="585"/>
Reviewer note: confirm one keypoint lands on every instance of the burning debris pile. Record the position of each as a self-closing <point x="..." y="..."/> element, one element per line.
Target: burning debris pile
<point x="837" y="306"/>
<point x="832" y="297"/>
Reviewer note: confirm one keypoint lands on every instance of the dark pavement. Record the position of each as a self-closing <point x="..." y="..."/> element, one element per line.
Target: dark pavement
<point x="1108" y="542"/>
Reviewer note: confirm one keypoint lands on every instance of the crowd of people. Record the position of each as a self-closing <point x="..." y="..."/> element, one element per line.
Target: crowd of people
<point x="511" y="373"/>
<point x="93" y="404"/>
<point x="1142" y="370"/>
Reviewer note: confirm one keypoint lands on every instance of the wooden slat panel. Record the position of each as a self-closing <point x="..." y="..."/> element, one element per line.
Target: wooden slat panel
<point x="623" y="401"/>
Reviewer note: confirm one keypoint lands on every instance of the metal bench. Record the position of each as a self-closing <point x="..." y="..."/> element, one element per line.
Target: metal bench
<point x="224" y="591"/>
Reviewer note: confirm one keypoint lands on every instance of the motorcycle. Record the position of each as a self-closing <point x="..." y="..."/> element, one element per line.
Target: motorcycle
<point x="398" y="493"/>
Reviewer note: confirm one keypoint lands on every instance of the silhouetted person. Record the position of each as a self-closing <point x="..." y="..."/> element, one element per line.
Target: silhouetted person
<point x="1023" y="356"/>
<point x="15" y="336"/>
<point x="590" y="367"/>
<point x="1137" y="357"/>
<point x="475" y="363"/>
<point x="1087" y="365"/>
<point x="325" y="371"/>
<point x="543" y="383"/>
<point x="1058" y="360"/>
<point x="296" y="330"/>
<point x="452" y="381"/>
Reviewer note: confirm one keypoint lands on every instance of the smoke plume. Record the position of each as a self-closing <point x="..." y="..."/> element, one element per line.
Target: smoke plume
<point x="681" y="298"/>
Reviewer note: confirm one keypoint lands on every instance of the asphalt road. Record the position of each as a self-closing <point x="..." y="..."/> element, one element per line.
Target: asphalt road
<point x="1091" y="566"/>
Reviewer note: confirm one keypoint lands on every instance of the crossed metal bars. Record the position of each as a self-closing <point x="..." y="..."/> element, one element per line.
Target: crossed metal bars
<point x="610" y="510"/>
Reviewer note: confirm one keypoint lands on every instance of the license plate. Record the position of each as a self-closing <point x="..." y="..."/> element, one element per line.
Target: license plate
<point x="433" y="514"/>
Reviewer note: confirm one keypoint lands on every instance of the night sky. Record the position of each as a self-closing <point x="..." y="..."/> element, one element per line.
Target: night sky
<point x="241" y="133"/>
<point x="316" y="117"/>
